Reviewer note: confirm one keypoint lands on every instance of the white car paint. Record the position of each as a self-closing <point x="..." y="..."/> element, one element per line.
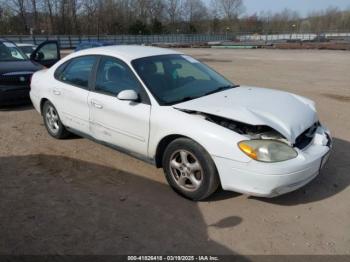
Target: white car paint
<point x="259" y="106"/>
<point x="140" y="128"/>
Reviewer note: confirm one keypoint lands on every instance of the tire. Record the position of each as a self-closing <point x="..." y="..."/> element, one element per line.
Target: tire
<point x="53" y="122"/>
<point x="190" y="170"/>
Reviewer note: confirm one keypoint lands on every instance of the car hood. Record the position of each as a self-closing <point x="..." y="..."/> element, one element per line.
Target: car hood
<point x="18" y="67"/>
<point x="287" y="113"/>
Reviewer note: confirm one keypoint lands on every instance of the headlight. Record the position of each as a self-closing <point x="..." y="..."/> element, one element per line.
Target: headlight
<point x="267" y="150"/>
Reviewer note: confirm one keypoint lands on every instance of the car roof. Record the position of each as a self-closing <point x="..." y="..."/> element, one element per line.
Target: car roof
<point x="93" y="42"/>
<point x="24" y="44"/>
<point x="126" y="52"/>
<point x="4" y="40"/>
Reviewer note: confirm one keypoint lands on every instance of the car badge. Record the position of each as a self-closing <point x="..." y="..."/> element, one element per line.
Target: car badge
<point x="22" y="78"/>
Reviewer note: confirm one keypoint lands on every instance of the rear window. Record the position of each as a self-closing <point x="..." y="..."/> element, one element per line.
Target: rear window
<point x="77" y="71"/>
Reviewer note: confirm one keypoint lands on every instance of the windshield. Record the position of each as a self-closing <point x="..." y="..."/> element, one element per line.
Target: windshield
<point x="177" y="78"/>
<point x="27" y="49"/>
<point x="9" y="52"/>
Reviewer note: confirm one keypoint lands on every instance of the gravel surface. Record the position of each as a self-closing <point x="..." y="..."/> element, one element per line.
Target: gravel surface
<point x="78" y="197"/>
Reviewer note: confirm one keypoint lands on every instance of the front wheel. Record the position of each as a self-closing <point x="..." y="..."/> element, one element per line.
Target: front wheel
<point x="189" y="169"/>
<point x="53" y="122"/>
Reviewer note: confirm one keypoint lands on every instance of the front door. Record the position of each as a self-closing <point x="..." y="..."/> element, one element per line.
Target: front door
<point x="124" y="124"/>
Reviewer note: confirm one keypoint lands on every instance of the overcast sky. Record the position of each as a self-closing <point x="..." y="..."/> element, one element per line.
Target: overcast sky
<point x="303" y="6"/>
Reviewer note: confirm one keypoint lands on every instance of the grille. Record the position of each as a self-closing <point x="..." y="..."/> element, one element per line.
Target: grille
<point x="305" y="138"/>
<point x="15" y="80"/>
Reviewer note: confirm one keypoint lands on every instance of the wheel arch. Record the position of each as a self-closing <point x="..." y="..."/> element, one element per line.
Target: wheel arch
<point x="162" y="145"/>
<point x="42" y="102"/>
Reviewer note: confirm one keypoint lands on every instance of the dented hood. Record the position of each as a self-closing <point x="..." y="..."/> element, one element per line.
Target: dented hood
<point x="287" y="113"/>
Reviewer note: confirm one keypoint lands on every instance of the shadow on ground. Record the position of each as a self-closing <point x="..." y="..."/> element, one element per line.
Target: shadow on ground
<point x="334" y="178"/>
<point x="60" y="205"/>
<point x="17" y="108"/>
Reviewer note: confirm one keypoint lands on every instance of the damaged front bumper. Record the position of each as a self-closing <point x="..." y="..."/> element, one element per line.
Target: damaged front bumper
<point x="274" y="179"/>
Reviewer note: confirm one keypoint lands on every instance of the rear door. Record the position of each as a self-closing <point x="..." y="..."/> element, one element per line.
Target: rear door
<point x="71" y="90"/>
<point x="47" y="53"/>
<point x="124" y="124"/>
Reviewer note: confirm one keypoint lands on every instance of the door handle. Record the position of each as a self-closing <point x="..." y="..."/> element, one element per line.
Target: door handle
<point x="98" y="106"/>
<point x="56" y="92"/>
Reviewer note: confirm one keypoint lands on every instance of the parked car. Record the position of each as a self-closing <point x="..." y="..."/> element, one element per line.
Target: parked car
<point x="171" y="110"/>
<point x="90" y="44"/>
<point x="16" y="69"/>
<point x="27" y="49"/>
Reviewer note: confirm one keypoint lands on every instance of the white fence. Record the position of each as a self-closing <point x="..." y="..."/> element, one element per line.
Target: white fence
<point x="293" y="36"/>
<point x="71" y="41"/>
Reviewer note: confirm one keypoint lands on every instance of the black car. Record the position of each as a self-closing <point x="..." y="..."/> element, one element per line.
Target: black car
<point x="16" y="69"/>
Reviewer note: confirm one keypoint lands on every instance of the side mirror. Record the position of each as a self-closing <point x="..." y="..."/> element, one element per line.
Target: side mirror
<point x="39" y="56"/>
<point x="128" y="95"/>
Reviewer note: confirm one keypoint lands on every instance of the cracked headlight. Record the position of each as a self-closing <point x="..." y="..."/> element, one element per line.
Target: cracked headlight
<point x="267" y="150"/>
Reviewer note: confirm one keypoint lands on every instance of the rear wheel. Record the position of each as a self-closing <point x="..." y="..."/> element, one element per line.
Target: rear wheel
<point x="189" y="169"/>
<point x="53" y="123"/>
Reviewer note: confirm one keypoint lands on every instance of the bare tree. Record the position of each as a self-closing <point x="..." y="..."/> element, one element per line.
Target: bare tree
<point x="156" y="16"/>
<point x="34" y="9"/>
<point x="90" y="8"/>
<point x="194" y="10"/>
<point x="19" y="7"/>
<point x="48" y="9"/>
<point x="229" y="9"/>
<point x="74" y="7"/>
<point x="173" y="9"/>
<point x="156" y="9"/>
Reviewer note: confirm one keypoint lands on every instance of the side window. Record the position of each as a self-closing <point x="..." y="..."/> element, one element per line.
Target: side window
<point x="60" y="70"/>
<point x="78" y="71"/>
<point x="48" y="52"/>
<point x="114" y="76"/>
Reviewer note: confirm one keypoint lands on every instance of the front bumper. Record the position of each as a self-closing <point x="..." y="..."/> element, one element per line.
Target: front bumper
<point x="14" y="95"/>
<point x="274" y="179"/>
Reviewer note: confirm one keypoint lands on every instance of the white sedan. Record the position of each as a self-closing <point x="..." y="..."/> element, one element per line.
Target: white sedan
<point x="169" y="109"/>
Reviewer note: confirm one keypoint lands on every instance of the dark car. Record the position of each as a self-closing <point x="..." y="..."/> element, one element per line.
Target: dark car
<point x="16" y="69"/>
<point x="90" y="44"/>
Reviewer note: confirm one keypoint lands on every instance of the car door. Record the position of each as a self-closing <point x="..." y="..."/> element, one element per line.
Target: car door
<point x="124" y="124"/>
<point x="71" y="90"/>
<point x="47" y="53"/>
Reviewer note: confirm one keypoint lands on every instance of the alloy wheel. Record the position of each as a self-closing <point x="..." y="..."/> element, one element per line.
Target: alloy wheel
<point x="52" y="119"/>
<point x="186" y="170"/>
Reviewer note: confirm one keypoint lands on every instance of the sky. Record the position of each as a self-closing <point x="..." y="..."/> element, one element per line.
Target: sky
<point x="302" y="6"/>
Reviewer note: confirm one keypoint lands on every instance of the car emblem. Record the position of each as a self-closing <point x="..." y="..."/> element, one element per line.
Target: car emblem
<point x="22" y="78"/>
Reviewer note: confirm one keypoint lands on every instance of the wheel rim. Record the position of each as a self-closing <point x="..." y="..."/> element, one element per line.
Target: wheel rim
<point x="52" y="119"/>
<point x="186" y="170"/>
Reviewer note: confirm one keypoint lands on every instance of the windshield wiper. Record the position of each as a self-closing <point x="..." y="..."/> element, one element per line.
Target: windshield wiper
<point x="188" y="98"/>
<point x="221" y="88"/>
<point x="185" y="99"/>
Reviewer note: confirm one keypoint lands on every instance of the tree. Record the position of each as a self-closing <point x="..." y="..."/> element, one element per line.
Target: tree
<point x="173" y="9"/>
<point x="229" y="9"/>
<point x="156" y="16"/>
<point x="138" y="28"/>
<point x="194" y="10"/>
<point x="157" y="26"/>
<point x="20" y="8"/>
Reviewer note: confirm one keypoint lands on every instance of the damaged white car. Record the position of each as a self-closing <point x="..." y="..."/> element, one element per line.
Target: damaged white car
<point x="169" y="109"/>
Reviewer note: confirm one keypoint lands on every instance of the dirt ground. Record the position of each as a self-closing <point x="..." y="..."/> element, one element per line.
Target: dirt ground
<point x="78" y="197"/>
